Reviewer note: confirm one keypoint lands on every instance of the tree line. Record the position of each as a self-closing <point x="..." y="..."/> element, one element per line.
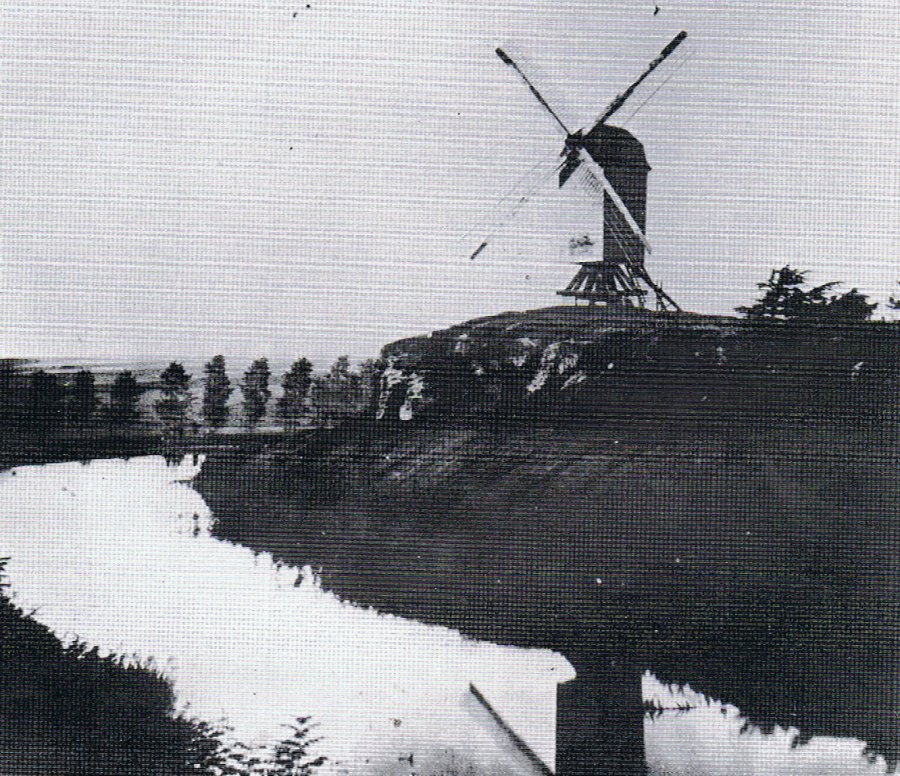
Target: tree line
<point x="41" y="399"/>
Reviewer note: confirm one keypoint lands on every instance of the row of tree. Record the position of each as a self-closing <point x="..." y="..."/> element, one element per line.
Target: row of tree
<point x="328" y="398"/>
<point x="41" y="398"/>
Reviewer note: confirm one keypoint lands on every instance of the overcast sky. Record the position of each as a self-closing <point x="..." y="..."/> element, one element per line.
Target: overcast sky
<point x="271" y="178"/>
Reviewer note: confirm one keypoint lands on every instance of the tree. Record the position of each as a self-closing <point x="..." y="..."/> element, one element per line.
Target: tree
<point x="342" y="392"/>
<point x="216" y="392"/>
<point x="293" y="406"/>
<point x="45" y="397"/>
<point x="852" y="307"/>
<point x="785" y="299"/>
<point x="174" y="405"/>
<point x="340" y="369"/>
<point x="255" y="389"/>
<point x="123" y="398"/>
<point x="82" y="400"/>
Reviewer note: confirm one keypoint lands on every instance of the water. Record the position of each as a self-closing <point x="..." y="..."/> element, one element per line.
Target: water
<point x="693" y="735"/>
<point x="120" y="555"/>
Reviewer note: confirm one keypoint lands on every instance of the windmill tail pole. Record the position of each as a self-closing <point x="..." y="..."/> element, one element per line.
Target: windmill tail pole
<point x="619" y="101"/>
<point x="660" y="294"/>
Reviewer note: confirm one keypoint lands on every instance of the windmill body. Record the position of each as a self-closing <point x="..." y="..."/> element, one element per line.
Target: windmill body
<point x="615" y="277"/>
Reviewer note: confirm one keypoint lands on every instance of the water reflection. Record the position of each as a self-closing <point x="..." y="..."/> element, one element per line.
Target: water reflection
<point x="690" y="734"/>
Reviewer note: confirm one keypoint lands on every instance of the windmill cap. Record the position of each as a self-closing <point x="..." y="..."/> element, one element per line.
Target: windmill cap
<point x="613" y="146"/>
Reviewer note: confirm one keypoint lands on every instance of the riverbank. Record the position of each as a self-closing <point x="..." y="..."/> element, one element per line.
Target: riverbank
<point x="408" y="471"/>
<point x="751" y="556"/>
<point x="34" y="447"/>
<point x="64" y="711"/>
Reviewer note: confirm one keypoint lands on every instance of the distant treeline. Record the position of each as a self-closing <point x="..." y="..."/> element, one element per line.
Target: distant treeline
<point x="176" y="404"/>
<point x="173" y="403"/>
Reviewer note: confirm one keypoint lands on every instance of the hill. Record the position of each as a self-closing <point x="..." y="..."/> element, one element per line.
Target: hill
<point x="749" y="554"/>
<point x="713" y="500"/>
<point x="583" y="360"/>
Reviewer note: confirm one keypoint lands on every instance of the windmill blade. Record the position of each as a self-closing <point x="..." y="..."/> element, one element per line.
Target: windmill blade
<point x="620" y="99"/>
<point x="513" y="203"/>
<point x="684" y="60"/>
<point x="594" y="177"/>
<point x="507" y="60"/>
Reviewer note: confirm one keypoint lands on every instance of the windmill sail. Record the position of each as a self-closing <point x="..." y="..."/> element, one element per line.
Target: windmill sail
<point x="595" y="182"/>
<point x="620" y="99"/>
<point x="520" y="195"/>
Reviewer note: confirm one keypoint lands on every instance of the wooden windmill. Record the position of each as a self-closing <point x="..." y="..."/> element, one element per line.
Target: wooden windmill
<point x="610" y="163"/>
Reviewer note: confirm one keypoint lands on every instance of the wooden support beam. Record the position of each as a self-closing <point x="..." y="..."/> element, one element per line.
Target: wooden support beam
<point x="600" y="715"/>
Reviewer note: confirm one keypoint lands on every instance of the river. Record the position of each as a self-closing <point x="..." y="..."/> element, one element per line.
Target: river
<point x="120" y="555"/>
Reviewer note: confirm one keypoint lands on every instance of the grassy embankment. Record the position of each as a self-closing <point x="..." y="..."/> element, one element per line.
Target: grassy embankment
<point x="699" y="541"/>
<point x="63" y="711"/>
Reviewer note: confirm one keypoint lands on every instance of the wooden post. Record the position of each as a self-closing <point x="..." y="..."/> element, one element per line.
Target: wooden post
<point x="600" y="715"/>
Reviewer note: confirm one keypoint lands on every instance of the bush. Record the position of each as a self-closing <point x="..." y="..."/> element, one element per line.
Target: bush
<point x="786" y="300"/>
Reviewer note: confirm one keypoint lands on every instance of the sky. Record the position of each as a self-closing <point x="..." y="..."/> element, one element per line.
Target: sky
<point x="289" y="178"/>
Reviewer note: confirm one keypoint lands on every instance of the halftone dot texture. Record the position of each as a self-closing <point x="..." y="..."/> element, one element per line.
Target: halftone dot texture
<point x="286" y="179"/>
<point x="255" y="178"/>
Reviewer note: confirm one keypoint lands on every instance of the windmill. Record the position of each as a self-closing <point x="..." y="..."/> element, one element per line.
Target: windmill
<point x="610" y="163"/>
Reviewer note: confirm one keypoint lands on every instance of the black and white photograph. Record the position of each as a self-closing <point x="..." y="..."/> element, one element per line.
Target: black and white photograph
<point x="448" y="388"/>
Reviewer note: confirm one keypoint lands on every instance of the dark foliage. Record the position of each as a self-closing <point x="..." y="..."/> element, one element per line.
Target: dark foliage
<point x="340" y="369"/>
<point x="255" y="390"/>
<point x="174" y="406"/>
<point x="293" y="406"/>
<point x="71" y="711"/>
<point x="852" y="307"/>
<point x="291" y="753"/>
<point x="45" y="398"/>
<point x="123" y="398"/>
<point x="82" y="399"/>
<point x="786" y="299"/>
<point x="342" y="392"/>
<point x="216" y="392"/>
